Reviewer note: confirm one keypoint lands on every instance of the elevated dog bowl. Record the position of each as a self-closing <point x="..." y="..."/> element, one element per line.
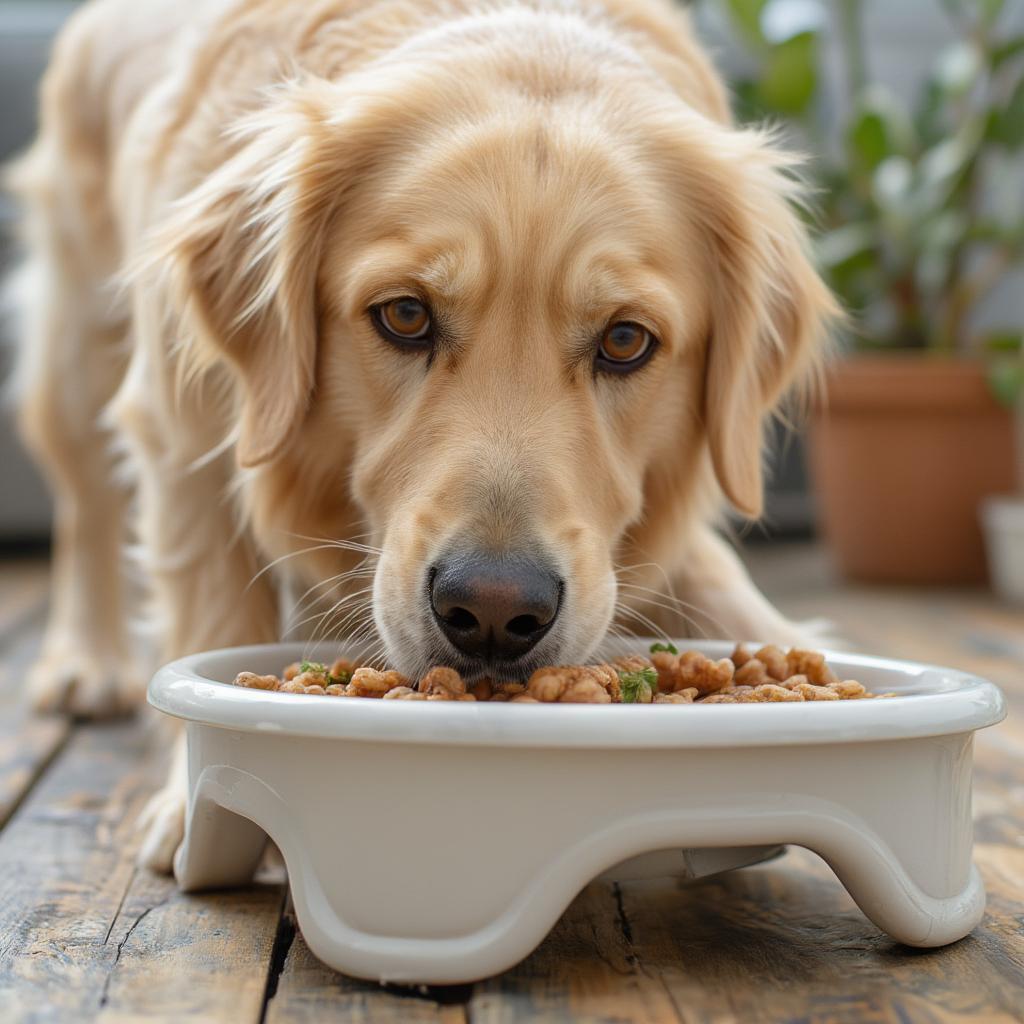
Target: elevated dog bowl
<point x="439" y="842"/>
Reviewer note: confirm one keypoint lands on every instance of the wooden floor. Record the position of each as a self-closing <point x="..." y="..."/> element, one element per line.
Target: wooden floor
<point x="85" y="935"/>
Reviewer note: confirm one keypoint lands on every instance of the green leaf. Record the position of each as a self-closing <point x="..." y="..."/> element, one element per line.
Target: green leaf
<point x="638" y="687"/>
<point x="783" y="19"/>
<point x="869" y="139"/>
<point x="1005" y="51"/>
<point x="939" y="238"/>
<point x="1004" y="194"/>
<point x="950" y="157"/>
<point x="659" y="646"/>
<point x="790" y="75"/>
<point x="990" y="231"/>
<point x="1008" y="340"/>
<point x="946" y="230"/>
<point x="1006" y="379"/>
<point x="844" y="245"/>
<point x="957" y="8"/>
<point x="932" y="113"/>
<point x="880" y="128"/>
<point x="958" y="69"/>
<point x="746" y="102"/>
<point x="942" y="169"/>
<point x="313" y="666"/>
<point x="891" y="183"/>
<point x="986" y="11"/>
<point x="990" y="9"/>
<point x="1006" y="125"/>
<point x="747" y="15"/>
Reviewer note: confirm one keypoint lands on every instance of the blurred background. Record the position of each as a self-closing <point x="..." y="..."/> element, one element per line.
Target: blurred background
<point x="912" y="116"/>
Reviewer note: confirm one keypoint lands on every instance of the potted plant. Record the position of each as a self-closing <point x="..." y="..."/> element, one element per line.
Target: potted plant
<point x="920" y="217"/>
<point x="1003" y="515"/>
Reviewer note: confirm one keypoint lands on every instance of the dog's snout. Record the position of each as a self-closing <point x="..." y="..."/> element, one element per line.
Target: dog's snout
<point x="494" y="607"/>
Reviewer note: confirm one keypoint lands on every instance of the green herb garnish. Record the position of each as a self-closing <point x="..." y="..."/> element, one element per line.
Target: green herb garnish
<point x="313" y="666"/>
<point x="638" y="687"/>
<point x="670" y="647"/>
<point x="341" y="680"/>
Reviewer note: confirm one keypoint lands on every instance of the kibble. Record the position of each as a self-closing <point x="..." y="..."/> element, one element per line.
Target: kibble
<point x="667" y="676"/>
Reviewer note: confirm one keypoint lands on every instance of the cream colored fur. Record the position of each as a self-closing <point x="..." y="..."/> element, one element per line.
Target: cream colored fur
<point x="220" y="191"/>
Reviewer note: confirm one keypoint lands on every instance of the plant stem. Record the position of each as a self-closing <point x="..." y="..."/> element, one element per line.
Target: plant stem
<point x="910" y="330"/>
<point x="965" y="294"/>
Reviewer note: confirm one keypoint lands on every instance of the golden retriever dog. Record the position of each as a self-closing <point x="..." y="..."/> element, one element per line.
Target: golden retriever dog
<point x="462" y="316"/>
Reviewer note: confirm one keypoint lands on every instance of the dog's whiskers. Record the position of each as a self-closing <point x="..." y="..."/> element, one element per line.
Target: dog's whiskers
<point x="647" y="623"/>
<point x="347" y="624"/>
<point x="629" y="598"/>
<point x="700" y="613"/>
<point x="356" y="626"/>
<point x="668" y="590"/>
<point x="345" y="608"/>
<point x="322" y="619"/>
<point x="361" y="635"/>
<point x="613" y="633"/>
<point x="343" y="543"/>
<point x="330" y="582"/>
<point x="283" y="558"/>
<point x="336" y="607"/>
<point x="668" y="595"/>
<point x="353" y="640"/>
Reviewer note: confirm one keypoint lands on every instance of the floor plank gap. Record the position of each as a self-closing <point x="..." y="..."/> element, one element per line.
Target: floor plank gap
<point x="286" y="931"/>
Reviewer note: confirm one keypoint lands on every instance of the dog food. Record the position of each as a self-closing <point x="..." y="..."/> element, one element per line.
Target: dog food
<point x="665" y="676"/>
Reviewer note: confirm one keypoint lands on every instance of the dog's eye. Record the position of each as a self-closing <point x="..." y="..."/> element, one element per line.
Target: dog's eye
<point x="625" y="346"/>
<point x="405" y="320"/>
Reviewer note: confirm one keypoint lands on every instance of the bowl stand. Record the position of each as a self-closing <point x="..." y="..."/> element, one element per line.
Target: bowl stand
<point x="465" y="856"/>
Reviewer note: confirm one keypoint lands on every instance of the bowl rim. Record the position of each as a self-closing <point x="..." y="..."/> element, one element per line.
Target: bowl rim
<point x="954" y="702"/>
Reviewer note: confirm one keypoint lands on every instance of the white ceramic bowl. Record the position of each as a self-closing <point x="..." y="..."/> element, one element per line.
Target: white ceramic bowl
<point x="439" y="842"/>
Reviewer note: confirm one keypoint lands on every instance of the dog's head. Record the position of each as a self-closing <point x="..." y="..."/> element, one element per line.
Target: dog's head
<point x="501" y="325"/>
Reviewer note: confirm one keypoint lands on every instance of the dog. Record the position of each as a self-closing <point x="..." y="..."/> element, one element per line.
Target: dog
<point x="465" y="317"/>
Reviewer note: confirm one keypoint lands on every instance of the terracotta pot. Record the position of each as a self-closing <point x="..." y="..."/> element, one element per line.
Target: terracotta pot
<point x="902" y="455"/>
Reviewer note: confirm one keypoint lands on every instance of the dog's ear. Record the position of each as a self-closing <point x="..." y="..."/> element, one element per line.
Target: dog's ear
<point x="241" y="253"/>
<point x="769" y="313"/>
<point x="769" y="319"/>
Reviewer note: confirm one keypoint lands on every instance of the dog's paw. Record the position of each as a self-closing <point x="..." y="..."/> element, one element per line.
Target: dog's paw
<point x="807" y="634"/>
<point x="163" y="820"/>
<point x="817" y="633"/>
<point x="75" y="683"/>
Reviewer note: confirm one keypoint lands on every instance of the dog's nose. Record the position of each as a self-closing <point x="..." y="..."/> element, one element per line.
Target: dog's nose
<point x="494" y="607"/>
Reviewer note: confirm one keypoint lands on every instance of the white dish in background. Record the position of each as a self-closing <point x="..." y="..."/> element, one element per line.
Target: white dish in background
<point x="1002" y="519"/>
<point x="440" y="841"/>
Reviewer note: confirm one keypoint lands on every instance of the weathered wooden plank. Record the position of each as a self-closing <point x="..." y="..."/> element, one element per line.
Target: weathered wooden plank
<point x="202" y="958"/>
<point x="27" y="745"/>
<point x="23" y="585"/>
<point x="586" y="970"/>
<point x="19" y="645"/>
<point x="785" y="942"/>
<point x="76" y="939"/>
<point x="307" y="992"/>
<point x="64" y="868"/>
<point x="152" y="937"/>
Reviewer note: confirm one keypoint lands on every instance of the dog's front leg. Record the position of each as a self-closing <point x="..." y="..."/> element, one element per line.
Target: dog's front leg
<point x="725" y="601"/>
<point x="202" y="568"/>
<point x="163" y="818"/>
